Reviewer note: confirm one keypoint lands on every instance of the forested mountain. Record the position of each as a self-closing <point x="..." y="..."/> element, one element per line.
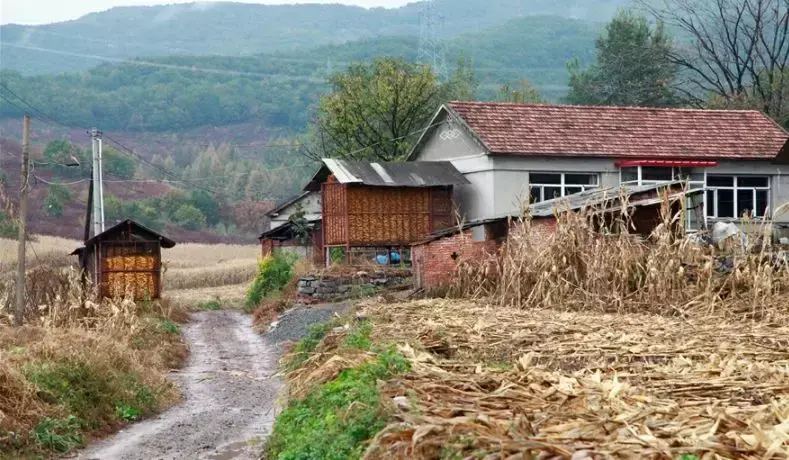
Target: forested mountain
<point x="181" y="92"/>
<point x="236" y="29"/>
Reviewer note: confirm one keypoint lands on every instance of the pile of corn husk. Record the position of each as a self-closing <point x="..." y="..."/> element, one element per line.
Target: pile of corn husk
<point x="512" y="383"/>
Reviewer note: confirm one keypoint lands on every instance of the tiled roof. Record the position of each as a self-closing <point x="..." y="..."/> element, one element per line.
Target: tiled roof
<point x="622" y="132"/>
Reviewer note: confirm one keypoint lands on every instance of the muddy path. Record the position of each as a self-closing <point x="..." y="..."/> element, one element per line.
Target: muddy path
<point x="229" y="390"/>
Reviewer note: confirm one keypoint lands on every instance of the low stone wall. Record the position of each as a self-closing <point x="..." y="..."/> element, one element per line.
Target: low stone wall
<point x="331" y="288"/>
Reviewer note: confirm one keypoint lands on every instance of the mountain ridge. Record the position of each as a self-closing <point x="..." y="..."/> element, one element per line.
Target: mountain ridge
<point x="240" y="29"/>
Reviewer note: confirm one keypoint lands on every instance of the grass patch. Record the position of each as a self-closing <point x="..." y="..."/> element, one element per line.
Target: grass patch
<point x="59" y="435"/>
<point x="307" y="345"/>
<point x="96" y="397"/>
<point x="337" y="418"/>
<point x="359" y="337"/>
<point x="169" y="326"/>
<point x="211" y="305"/>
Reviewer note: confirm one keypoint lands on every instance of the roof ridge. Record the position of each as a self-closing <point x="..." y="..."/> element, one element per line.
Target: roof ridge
<point x="603" y="107"/>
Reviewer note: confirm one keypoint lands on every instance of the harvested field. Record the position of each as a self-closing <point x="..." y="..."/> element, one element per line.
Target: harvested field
<point x="499" y="382"/>
<point x="42" y="250"/>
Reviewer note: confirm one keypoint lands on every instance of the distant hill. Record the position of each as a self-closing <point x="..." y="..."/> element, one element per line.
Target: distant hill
<point x="278" y="90"/>
<point x="236" y="29"/>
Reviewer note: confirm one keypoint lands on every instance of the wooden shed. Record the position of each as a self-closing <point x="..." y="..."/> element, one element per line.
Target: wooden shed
<point x="384" y="205"/>
<point x="125" y="258"/>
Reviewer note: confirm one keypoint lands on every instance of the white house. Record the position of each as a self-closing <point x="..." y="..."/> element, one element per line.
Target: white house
<point x="510" y="152"/>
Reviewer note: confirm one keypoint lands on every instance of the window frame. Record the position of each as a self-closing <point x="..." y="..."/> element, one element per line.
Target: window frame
<point x="734" y="188"/>
<point x="676" y="175"/>
<point x="562" y="185"/>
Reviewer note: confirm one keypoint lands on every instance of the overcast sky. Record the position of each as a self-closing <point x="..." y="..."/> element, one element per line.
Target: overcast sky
<point x="47" y="11"/>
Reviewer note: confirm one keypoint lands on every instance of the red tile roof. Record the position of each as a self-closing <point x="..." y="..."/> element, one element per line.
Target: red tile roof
<point x="622" y="132"/>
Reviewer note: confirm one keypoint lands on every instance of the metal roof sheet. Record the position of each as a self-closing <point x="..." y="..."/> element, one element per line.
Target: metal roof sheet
<point x="408" y="174"/>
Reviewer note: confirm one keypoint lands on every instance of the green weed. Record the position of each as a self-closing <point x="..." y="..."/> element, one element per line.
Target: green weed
<point x="73" y="384"/>
<point x="307" y="345"/>
<point x="361" y="291"/>
<point x="274" y="272"/>
<point x="336" y="419"/>
<point x="127" y="413"/>
<point x="59" y="435"/>
<point x="211" y="305"/>
<point x="169" y="326"/>
<point x="93" y="396"/>
<point x="359" y="337"/>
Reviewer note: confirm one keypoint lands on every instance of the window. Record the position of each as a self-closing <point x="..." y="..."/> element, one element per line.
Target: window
<point x="646" y="175"/>
<point x="547" y="186"/>
<point x="737" y="196"/>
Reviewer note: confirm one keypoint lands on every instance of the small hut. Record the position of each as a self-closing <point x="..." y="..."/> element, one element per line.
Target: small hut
<point x="125" y="258"/>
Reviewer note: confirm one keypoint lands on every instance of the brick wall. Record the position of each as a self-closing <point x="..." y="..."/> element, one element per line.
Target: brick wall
<point x="435" y="262"/>
<point x="267" y="246"/>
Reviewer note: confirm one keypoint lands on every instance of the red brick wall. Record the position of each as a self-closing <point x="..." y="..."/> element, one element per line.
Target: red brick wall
<point x="434" y="266"/>
<point x="433" y="262"/>
<point x="267" y="246"/>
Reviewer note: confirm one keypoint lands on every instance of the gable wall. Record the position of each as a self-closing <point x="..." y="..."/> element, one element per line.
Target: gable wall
<point x="312" y="210"/>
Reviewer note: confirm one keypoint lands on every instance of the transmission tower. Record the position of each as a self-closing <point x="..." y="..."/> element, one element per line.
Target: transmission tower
<point x="432" y="51"/>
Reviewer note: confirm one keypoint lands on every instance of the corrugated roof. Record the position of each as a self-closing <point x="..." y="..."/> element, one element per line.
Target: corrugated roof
<point x="408" y="174"/>
<point x="599" y="196"/>
<point x="621" y="132"/>
<point x="576" y="201"/>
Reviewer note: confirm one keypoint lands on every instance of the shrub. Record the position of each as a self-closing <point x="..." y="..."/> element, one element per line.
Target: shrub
<point x="189" y="217"/>
<point x="57" y="195"/>
<point x="274" y="272"/>
<point x="9" y="228"/>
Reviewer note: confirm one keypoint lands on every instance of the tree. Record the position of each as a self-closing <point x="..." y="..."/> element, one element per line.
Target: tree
<point x="189" y="217"/>
<point x="300" y="225"/>
<point x="375" y="111"/>
<point x="117" y="164"/>
<point x="633" y="68"/>
<point x="463" y="84"/>
<point x="57" y="196"/>
<point x="521" y="92"/>
<point x="207" y="204"/>
<point x="738" y="50"/>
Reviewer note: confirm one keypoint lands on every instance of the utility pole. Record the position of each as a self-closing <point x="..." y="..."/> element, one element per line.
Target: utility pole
<point x="98" y="189"/>
<point x="23" y="189"/>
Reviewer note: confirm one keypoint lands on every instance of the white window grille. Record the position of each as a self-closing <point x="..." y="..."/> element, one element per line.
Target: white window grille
<point x="737" y="196"/>
<point x="547" y="186"/>
<point x="648" y="175"/>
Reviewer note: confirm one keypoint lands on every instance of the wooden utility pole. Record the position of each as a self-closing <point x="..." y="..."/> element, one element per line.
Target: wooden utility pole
<point x="23" y="190"/>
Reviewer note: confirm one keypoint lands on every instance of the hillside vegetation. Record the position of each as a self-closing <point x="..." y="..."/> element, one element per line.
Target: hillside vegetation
<point x="235" y="29"/>
<point x="181" y="92"/>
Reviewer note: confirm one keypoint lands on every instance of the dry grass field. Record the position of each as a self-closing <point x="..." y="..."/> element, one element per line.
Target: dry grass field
<point x="73" y="343"/>
<point x="192" y="272"/>
<point x="574" y="345"/>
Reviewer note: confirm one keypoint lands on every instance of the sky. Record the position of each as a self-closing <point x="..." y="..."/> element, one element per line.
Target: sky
<point x="32" y="12"/>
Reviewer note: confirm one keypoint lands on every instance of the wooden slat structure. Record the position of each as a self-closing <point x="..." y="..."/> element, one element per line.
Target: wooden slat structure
<point x="359" y="215"/>
<point x="373" y="205"/>
<point x="125" y="259"/>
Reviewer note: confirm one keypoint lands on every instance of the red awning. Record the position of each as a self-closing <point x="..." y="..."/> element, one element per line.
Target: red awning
<point x="667" y="163"/>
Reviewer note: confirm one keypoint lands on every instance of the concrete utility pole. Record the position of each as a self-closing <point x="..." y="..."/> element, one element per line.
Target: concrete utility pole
<point x="98" y="199"/>
<point x="23" y="189"/>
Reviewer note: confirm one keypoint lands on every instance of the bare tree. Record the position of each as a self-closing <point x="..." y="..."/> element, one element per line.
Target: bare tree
<point x="738" y="49"/>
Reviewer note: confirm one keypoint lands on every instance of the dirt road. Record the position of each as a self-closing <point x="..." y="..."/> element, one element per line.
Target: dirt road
<point x="229" y="392"/>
